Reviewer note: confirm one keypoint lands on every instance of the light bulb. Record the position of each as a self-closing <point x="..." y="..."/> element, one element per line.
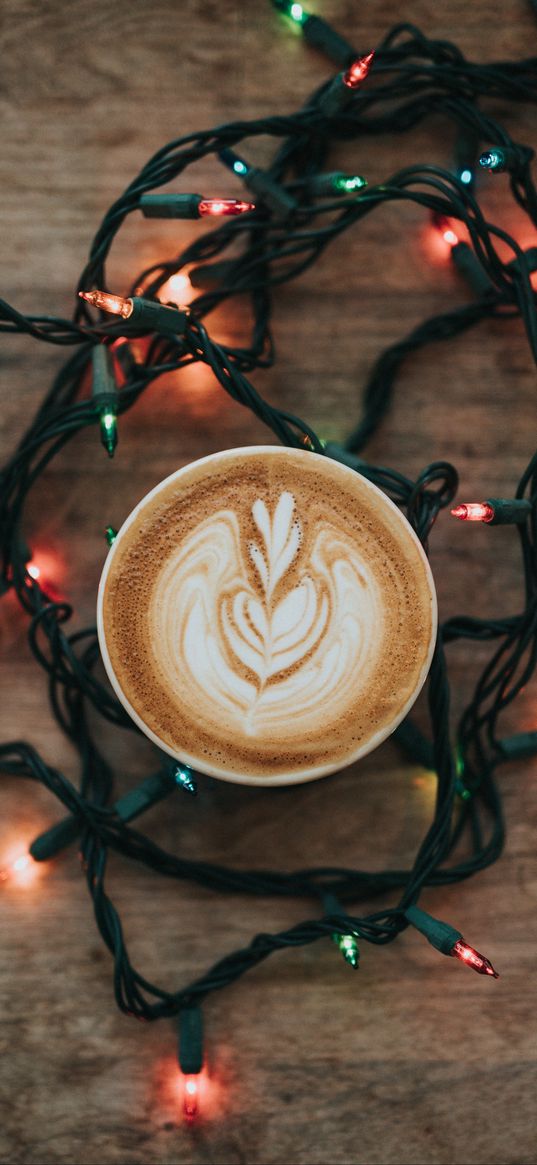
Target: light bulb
<point x="473" y="959"/>
<point x="224" y="207"/>
<point x="104" y="300"/>
<point x="473" y="512"/>
<point x="358" y="71"/>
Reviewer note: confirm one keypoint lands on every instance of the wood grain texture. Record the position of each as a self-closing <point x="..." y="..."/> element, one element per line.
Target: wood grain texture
<point x="412" y="1059"/>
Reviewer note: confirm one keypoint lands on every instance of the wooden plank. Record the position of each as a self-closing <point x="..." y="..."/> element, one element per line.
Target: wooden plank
<point x="411" y="1059"/>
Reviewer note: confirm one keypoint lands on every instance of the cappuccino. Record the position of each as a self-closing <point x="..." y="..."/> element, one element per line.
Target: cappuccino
<point x="266" y="615"/>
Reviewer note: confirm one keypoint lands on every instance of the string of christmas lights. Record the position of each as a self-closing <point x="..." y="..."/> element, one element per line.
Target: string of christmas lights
<point x="300" y="206"/>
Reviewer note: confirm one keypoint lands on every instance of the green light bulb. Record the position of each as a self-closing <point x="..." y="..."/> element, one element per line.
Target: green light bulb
<point x="240" y="167"/>
<point x="460" y="787"/>
<point x="294" y="11"/>
<point x="185" y="778"/>
<point x="108" y="423"/>
<point x="349" y="182"/>
<point x="349" y="948"/>
<point x="110" y="535"/>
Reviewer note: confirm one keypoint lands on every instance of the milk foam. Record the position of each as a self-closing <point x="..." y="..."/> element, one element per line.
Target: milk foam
<point x="249" y="648"/>
<point x="266" y="615"/>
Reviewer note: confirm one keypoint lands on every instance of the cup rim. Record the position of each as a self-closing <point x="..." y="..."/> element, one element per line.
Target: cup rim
<point x="279" y="779"/>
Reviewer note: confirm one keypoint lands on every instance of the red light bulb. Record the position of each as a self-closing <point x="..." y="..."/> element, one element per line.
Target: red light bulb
<point x="196" y="1093"/>
<point x="473" y="959"/>
<point x="190" y="1096"/>
<point x="474" y="512"/>
<point x="446" y="230"/>
<point x="45" y="568"/>
<point x="358" y="71"/>
<point x="224" y="206"/>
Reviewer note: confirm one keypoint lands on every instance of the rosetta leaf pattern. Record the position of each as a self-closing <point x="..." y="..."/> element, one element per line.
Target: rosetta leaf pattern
<point x="245" y="644"/>
<point x="281" y="539"/>
<point x="267" y="638"/>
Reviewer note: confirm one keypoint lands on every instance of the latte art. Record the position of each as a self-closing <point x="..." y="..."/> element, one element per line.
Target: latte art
<point x="264" y="653"/>
<point x="266" y="615"/>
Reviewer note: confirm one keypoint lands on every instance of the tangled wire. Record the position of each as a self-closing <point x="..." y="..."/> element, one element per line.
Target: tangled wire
<point x="413" y="79"/>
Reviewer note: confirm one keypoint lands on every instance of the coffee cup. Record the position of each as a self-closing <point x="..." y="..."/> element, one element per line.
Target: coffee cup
<point x="266" y="615"/>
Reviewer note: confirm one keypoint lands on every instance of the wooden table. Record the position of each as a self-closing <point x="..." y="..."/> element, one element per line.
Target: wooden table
<point x="412" y="1059"/>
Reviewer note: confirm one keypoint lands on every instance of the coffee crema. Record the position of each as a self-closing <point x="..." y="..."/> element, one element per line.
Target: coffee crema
<point x="266" y="615"/>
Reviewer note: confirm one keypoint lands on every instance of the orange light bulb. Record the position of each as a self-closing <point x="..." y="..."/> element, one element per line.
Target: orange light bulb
<point x="20" y="870"/>
<point x="178" y="289"/>
<point x="104" y="300"/>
